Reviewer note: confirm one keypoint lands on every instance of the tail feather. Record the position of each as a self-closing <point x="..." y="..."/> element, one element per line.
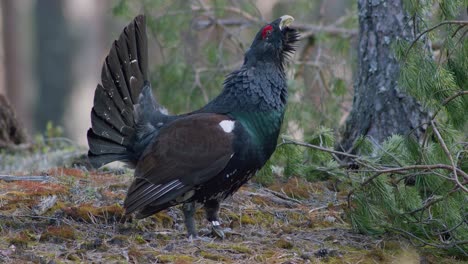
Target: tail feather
<point x="117" y="75"/>
<point x="131" y="69"/>
<point x="106" y="130"/>
<point x="105" y="108"/>
<point x="102" y="145"/>
<point x="142" y="42"/>
<point x="112" y="90"/>
<point x="114" y="132"/>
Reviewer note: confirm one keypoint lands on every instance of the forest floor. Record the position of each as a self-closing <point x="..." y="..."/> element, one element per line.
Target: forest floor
<point x="75" y="216"/>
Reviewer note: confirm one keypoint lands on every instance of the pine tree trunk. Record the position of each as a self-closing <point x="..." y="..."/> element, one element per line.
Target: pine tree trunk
<point x="13" y="60"/>
<point x="11" y="131"/>
<point x="380" y="109"/>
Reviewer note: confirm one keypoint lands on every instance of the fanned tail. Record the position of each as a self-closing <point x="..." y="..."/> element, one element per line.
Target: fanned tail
<point x="114" y="135"/>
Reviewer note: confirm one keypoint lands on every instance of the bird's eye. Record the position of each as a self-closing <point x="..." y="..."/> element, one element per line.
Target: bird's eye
<point x="266" y="31"/>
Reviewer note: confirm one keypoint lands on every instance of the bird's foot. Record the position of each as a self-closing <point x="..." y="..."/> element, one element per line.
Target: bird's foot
<point x="217" y="230"/>
<point x="191" y="233"/>
<point x="193" y="238"/>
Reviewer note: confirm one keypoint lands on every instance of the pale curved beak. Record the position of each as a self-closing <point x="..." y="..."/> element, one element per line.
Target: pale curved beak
<point x="286" y="20"/>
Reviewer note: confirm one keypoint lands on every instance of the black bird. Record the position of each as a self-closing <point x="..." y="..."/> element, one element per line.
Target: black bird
<point x="200" y="157"/>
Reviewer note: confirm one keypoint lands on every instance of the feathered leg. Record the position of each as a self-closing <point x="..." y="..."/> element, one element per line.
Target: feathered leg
<point x="212" y="209"/>
<point x="189" y="210"/>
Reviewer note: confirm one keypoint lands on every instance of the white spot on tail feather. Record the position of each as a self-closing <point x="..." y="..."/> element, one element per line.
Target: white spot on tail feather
<point x="227" y="125"/>
<point x="230" y="174"/>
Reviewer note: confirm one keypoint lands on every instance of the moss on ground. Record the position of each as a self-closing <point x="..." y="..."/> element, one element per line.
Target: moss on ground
<point x="86" y="224"/>
<point x="58" y="234"/>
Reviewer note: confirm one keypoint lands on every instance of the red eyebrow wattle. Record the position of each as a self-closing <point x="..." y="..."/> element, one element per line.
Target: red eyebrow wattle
<point x="266" y="29"/>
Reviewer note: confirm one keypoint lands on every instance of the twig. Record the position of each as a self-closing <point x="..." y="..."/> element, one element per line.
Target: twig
<point x="318" y="208"/>
<point x="231" y="9"/>
<point x="311" y="30"/>
<point x="303" y="144"/>
<point x="25" y="178"/>
<point x="447" y="152"/>
<point x="456" y="22"/>
<point x="273" y="198"/>
<point x="385" y="151"/>
<point x="197" y="84"/>
<point x="431" y="202"/>
<point x="450" y="245"/>
<point x="463" y="221"/>
<point x="448" y="100"/>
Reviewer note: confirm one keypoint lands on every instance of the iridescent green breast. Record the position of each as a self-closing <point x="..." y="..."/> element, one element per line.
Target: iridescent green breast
<point x="263" y="129"/>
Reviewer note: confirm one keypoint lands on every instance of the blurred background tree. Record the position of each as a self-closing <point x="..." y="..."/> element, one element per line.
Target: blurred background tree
<point x="53" y="63"/>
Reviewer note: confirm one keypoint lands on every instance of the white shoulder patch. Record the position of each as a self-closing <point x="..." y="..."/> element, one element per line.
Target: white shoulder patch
<point x="227" y="125"/>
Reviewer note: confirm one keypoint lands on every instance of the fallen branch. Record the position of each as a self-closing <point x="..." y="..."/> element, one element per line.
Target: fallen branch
<point x="30" y="216"/>
<point x="283" y="196"/>
<point x="45" y="205"/>
<point x="273" y="198"/>
<point x="25" y="178"/>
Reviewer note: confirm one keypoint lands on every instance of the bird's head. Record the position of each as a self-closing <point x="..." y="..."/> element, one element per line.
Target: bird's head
<point x="274" y="42"/>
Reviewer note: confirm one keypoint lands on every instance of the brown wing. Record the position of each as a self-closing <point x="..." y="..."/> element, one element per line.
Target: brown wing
<point x="186" y="153"/>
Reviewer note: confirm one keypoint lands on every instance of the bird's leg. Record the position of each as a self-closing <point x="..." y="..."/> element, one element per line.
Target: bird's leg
<point x="212" y="209"/>
<point x="189" y="211"/>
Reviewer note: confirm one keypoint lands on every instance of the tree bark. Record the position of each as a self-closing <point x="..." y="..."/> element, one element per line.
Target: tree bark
<point x="14" y="80"/>
<point x="11" y="131"/>
<point x="380" y="109"/>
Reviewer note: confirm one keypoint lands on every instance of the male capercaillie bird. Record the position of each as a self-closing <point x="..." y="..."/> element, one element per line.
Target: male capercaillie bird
<point x="200" y="157"/>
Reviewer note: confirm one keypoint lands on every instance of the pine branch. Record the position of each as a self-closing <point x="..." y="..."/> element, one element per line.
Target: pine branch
<point x="432" y="202"/>
<point x="407" y="168"/>
<point x="447" y="246"/>
<point x="452" y="22"/>
<point x="448" y="100"/>
<point x="447" y="152"/>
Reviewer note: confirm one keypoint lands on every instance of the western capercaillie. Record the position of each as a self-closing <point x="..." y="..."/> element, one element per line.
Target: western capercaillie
<point x="200" y="157"/>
